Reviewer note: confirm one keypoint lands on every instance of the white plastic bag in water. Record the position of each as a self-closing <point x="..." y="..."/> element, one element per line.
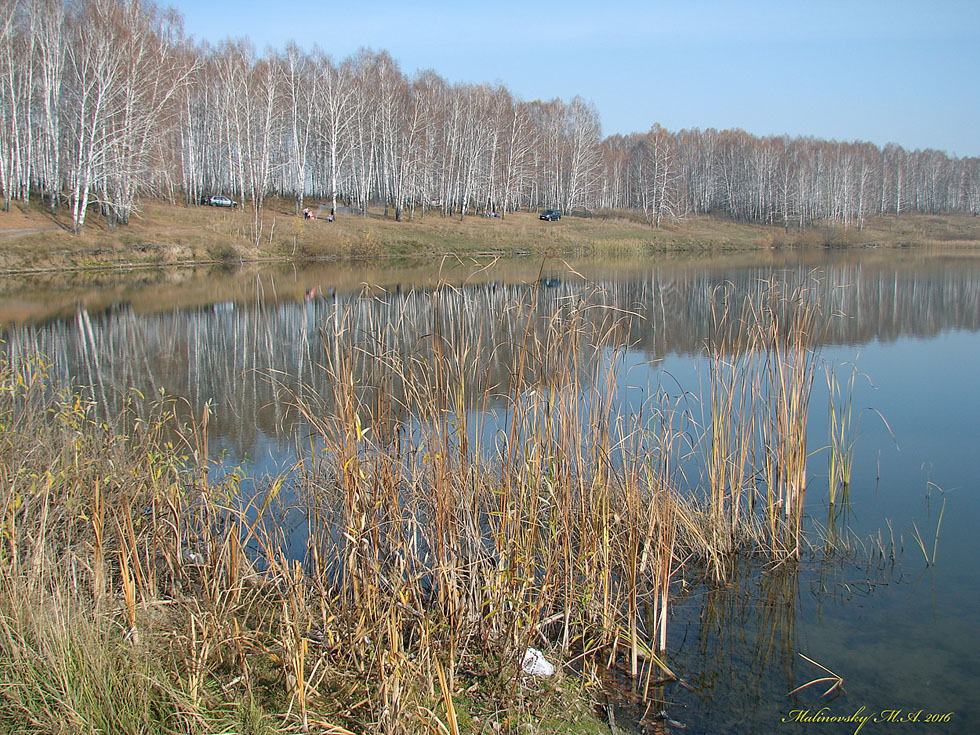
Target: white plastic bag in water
<point x="536" y="664"/>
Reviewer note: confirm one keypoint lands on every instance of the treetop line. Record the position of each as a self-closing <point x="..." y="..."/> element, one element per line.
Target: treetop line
<point x="105" y="101"/>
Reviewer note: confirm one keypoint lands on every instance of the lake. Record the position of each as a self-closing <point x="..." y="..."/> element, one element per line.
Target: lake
<point x="895" y="612"/>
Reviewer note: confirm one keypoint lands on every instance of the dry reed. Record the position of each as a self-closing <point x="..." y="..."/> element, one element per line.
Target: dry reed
<point x="452" y="516"/>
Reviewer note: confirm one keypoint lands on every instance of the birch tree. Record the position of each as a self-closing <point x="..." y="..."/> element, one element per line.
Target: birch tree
<point x="301" y="85"/>
<point x="8" y="103"/>
<point x="49" y="25"/>
<point x="582" y="169"/>
<point x="96" y="66"/>
<point x="335" y="112"/>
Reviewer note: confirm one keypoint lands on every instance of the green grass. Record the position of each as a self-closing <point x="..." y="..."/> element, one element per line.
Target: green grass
<point x="69" y="666"/>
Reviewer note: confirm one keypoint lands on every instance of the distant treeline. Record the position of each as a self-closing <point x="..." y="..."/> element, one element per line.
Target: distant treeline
<point x="104" y="101"/>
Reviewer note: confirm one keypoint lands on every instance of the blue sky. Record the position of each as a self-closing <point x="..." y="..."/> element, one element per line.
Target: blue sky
<point x="883" y="71"/>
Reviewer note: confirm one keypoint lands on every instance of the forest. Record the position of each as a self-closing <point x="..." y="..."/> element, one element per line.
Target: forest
<point x="103" y="102"/>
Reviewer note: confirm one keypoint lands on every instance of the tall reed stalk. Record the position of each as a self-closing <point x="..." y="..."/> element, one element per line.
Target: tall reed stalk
<point x="762" y="356"/>
<point x="543" y="535"/>
<point x="788" y="333"/>
<point x="733" y="390"/>
<point x="841" y="434"/>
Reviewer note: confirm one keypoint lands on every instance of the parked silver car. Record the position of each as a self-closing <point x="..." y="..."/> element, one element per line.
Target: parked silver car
<point x="222" y="201"/>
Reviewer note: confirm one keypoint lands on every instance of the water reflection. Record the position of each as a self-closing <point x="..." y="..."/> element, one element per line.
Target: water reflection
<point x="251" y="343"/>
<point x="227" y="351"/>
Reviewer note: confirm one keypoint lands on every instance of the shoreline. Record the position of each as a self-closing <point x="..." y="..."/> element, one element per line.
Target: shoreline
<point x="164" y="235"/>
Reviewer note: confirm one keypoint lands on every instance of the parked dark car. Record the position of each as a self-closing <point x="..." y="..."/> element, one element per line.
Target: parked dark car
<point x="220" y="201"/>
<point x="550" y="215"/>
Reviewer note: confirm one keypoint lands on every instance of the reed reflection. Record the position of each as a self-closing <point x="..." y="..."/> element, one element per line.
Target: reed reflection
<point x="243" y="356"/>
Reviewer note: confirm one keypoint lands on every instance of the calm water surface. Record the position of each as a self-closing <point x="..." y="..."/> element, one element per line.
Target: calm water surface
<point x="903" y="635"/>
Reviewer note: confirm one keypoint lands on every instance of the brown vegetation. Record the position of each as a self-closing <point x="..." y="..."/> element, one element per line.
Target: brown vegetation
<point x="164" y="234"/>
<point x="428" y="560"/>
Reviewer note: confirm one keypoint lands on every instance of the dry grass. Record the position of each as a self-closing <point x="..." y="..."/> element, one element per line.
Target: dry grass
<point x="161" y="234"/>
<point x="187" y="583"/>
<point x="908" y="230"/>
<point x="762" y="354"/>
<point x="438" y="543"/>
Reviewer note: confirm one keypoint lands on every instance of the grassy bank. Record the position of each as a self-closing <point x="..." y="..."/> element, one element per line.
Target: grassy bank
<point x="162" y="234"/>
